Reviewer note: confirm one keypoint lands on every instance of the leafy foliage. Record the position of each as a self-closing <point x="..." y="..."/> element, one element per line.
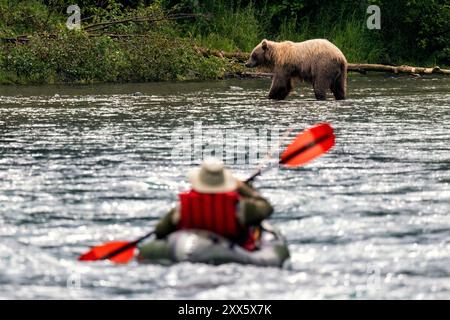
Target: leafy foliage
<point x="146" y="52"/>
<point x="413" y="31"/>
<point x="157" y="48"/>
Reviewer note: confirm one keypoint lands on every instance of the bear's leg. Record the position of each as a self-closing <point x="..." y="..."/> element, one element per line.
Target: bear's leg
<point x="338" y="87"/>
<point x="320" y="89"/>
<point x="280" y="88"/>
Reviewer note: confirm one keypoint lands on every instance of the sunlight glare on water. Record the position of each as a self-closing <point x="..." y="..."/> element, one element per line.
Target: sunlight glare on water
<point x="83" y="165"/>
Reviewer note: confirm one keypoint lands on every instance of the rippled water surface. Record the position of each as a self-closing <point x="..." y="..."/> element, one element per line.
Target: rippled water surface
<point x="84" y="165"/>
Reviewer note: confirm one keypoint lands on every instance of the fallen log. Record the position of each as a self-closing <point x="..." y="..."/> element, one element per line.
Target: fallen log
<point x="352" y="67"/>
<point x="363" y="68"/>
<point x="248" y="75"/>
<point x="239" y="56"/>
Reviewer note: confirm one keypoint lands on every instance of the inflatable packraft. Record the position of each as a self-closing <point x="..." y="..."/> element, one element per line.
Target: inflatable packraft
<point x="206" y="247"/>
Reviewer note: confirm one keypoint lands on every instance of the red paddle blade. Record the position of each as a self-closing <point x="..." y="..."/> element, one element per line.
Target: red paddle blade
<point x="98" y="252"/>
<point x="308" y="145"/>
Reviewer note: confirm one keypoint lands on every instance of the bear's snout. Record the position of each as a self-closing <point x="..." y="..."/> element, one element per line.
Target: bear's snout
<point x="250" y="64"/>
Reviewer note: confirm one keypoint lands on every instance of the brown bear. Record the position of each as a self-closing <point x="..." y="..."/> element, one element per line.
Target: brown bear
<point x="317" y="61"/>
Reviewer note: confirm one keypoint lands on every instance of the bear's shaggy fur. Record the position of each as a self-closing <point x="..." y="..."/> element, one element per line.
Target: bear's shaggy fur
<point x="317" y="61"/>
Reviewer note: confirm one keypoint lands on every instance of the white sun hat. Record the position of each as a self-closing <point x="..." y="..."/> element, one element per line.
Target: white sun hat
<point x="212" y="177"/>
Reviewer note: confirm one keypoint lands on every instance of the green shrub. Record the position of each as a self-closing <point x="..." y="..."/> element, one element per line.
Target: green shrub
<point x="26" y="63"/>
<point x="159" y="57"/>
<point x="73" y="56"/>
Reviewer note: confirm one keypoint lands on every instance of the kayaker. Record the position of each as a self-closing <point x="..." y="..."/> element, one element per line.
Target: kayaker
<point x="220" y="203"/>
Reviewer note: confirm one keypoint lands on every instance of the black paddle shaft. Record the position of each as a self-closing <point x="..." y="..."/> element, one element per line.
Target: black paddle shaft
<point x="291" y="156"/>
<point x="126" y="247"/>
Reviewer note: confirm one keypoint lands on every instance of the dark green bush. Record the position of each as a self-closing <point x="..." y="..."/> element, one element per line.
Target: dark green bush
<point x="75" y="57"/>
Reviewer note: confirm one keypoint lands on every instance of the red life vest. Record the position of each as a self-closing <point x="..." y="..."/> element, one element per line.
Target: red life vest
<point x="215" y="212"/>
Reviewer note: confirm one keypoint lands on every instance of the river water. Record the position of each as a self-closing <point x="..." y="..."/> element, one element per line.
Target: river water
<point x="81" y="165"/>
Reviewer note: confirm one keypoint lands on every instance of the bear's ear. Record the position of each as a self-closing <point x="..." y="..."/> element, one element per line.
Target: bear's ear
<point x="264" y="45"/>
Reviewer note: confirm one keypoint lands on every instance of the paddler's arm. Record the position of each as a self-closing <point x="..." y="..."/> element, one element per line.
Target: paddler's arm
<point x="167" y="224"/>
<point x="253" y="207"/>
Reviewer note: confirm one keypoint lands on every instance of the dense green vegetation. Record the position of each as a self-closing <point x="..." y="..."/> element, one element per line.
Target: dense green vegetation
<point x="412" y="31"/>
<point x="161" y="46"/>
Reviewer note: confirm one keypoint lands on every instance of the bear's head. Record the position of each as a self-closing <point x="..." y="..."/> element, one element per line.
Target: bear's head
<point x="260" y="55"/>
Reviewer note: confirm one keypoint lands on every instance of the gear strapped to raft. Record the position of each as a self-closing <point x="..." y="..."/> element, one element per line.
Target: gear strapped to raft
<point x="215" y="212"/>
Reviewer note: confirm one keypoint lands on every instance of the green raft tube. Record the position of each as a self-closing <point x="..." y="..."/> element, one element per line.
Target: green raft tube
<point x="206" y="247"/>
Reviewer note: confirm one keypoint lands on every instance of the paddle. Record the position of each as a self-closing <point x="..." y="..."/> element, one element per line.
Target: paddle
<point x="116" y="251"/>
<point x="307" y="146"/>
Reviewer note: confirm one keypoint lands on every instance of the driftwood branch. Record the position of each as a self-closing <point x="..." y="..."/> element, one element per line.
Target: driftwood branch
<point x="363" y="68"/>
<point x="149" y="19"/>
<point x="239" y="56"/>
<point x="248" y="75"/>
<point x="18" y="39"/>
<point x="93" y="29"/>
